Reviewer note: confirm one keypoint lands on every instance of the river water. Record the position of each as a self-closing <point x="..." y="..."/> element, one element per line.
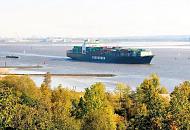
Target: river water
<point x="171" y="63"/>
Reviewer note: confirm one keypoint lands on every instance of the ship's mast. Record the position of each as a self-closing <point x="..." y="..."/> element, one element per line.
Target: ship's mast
<point x="84" y="47"/>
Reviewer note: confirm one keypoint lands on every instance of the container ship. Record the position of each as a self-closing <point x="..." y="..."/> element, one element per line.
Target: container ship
<point x="110" y="55"/>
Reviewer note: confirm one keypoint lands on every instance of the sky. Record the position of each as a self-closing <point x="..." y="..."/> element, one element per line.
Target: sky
<point x="94" y="18"/>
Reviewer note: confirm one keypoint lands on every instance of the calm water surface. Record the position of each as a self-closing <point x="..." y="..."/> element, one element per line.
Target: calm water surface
<point x="171" y="63"/>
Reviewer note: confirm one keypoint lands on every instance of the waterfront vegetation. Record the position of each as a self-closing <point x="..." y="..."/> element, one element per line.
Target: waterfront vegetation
<point x="23" y="105"/>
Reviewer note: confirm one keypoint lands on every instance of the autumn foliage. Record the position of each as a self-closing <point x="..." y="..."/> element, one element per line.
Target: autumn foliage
<point x="23" y="105"/>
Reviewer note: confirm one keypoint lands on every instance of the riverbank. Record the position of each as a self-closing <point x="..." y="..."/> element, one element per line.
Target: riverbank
<point x="65" y="75"/>
<point x="4" y="70"/>
<point x="21" y="67"/>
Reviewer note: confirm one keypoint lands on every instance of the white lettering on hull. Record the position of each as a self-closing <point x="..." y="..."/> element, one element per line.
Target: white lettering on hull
<point x="98" y="58"/>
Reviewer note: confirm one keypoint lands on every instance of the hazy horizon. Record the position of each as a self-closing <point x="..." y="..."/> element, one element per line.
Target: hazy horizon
<point x="84" y="18"/>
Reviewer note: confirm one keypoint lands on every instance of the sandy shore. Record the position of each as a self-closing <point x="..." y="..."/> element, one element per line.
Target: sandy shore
<point x="4" y="70"/>
<point x="20" y="67"/>
<point x="66" y="75"/>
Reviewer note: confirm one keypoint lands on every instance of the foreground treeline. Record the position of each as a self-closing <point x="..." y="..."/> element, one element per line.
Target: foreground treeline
<point x="150" y="107"/>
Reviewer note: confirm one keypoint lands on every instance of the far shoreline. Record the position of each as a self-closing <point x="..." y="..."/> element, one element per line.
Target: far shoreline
<point x="133" y="44"/>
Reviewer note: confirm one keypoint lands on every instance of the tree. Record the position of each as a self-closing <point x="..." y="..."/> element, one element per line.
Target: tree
<point x="25" y="106"/>
<point x="163" y="90"/>
<point x="100" y="119"/>
<point x="46" y="95"/>
<point x="61" y="107"/>
<point x="27" y="117"/>
<point x="99" y="112"/>
<point x="22" y="86"/>
<point x="44" y="108"/>
<point x="8" y="107"/>
<point x="95" y="97"/>
<point x="123" y="94"/>
<point x="18" y="102"/>
<point x="180" y="106"/>
<point x="79" y="109"/>
<point x="47" y="79"/>
<point x="150" y="106"/>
